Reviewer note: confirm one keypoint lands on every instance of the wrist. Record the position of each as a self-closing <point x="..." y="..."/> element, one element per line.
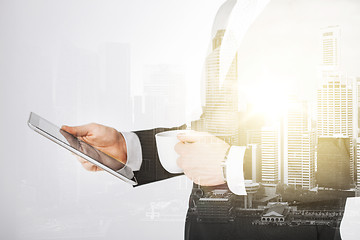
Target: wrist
<point x="122" y="148"/>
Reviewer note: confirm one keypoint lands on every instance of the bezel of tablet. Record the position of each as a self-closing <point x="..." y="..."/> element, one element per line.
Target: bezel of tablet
<point x="33" y="123"/>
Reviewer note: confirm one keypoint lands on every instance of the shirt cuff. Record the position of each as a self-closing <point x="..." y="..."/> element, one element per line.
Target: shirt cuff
<point x="134" y="154"/>
<point x="234" y="170"/>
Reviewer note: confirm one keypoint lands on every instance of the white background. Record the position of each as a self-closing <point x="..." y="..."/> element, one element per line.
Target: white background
<point x="58" y="59"/>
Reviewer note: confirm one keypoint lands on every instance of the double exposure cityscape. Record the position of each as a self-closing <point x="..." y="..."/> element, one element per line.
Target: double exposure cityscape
<point x="299" y="168"/>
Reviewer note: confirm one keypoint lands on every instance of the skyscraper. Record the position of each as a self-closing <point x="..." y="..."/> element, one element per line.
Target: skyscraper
<point x="357" y="101"/>
<point x="330" y="48"/>
<point x="221" y="104"/>
<point x="250" y="124"/>
<point x="335" y="96"/>
<point x="358" y="162"/>
<point x="335" y="110"/>
<point x="252" y="163"/>
<point x="270" y="154"/>
<point x="299" y="146"/>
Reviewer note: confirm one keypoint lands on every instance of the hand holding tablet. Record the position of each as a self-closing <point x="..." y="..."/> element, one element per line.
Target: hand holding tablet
<point x="99" y="146"/>
<point x="103" y="138"/>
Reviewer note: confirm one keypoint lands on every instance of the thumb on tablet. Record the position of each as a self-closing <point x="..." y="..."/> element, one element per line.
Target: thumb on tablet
<point x="78" y="131"/>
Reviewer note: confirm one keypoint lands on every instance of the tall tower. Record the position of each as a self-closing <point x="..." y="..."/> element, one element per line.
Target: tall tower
<point x="335" y="110"/>
<point x="358" y="163"/>
<point x="357" y="135"/>
<point x="335" y="96"/>
<point x="357" y="103"/>
<point x="299" y="146"/>
<point x="252" y="163"/>
<point x="221" y="102"/>
<point x="330" y="48"/>
<point x="270" y="154"/>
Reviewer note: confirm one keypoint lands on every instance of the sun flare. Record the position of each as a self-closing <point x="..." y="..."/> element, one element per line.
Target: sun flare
<point x="270" y="100"/>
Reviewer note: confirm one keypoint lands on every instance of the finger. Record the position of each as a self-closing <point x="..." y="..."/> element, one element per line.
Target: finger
<point x="189" y="137"/>
<point x="179" y="148"/>
<point x="85" y="163"/>
<point x="190" y="174"/>
<point x="89" y="166"/>
<point x="197" y="180"/>
<point x="193" y="176"/>
<point x="78" y="131"/>
<point x="94" y="168"/>
<point x="81" y="160"/>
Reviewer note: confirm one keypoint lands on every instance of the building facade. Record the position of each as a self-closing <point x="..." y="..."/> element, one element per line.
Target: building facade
<point x="221" y="102"/>
<point x="299" y="146"/>
<point x="270" y="154"/>
<point x="336" y="97"/>
<point x="335" y="111"/>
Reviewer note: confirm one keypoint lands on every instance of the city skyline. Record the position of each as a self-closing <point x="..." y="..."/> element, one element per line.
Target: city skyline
<point x="288" y="142"/>
<point x="290" y="161"/>
<point x="288" y="150"/>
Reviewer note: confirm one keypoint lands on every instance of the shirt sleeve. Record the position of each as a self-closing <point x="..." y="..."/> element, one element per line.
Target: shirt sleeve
<point x="134" y="154"/>
<point x="234" y="170"/>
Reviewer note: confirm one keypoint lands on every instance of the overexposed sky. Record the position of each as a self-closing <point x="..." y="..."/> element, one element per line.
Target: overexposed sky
<point x="283" y="45"/>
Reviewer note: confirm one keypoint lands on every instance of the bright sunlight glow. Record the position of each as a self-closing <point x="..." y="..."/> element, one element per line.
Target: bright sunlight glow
<point x="270" y="99"/>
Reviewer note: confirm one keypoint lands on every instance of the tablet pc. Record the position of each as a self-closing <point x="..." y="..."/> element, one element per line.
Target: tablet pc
<point x="81" y="148"/>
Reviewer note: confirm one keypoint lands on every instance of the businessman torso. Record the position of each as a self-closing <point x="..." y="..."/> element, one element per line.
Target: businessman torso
<point x="215" y="213"/>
